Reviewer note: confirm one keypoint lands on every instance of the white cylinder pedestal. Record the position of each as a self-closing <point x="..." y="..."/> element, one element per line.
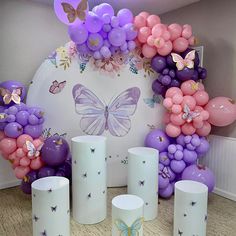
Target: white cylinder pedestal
<point x="50" y="206"/>
<point x="190" y="210"/>
<point x="89" y="179"/>
<point x="127" y="215"/>
<point x="143" y="178"/>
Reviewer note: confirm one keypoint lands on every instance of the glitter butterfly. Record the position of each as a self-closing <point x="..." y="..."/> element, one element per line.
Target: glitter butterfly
<point x="181" y="62"/>
<point x="151" y="102"/>
<point x="32" y="150"/>
<point x="133" y="230"/>
<point x="165" y="173"/>
<point x="57" y="87"/>
<point x="9" y="96"/>
<point x="79" y="12"/>
<point x="188" y="114"/>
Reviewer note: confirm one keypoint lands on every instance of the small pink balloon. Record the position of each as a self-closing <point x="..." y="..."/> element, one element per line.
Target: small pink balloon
<point x="148" y="51"/>
<point x="192" y="41"/>
<point x="21" y="140"/>
<point x="21" y="171"/>
<point x="200" y="87"/>
<point x="158" y="30"/>
<point x="25" y="161"/>
<point x="159" y="42"/>
<point x="189" y="87"/>
<point x="166" y="118"/>
<point x="12" y="156"/>
<point x="143" y="34"/>
<point x="172" y="91"/>
<point x="201" y="98"/>
<point x="139" y="22"/>
<point x="177" y="119"/>
<point x="176" y="109"/>
<point x="189" y="101"/>
<point x="36" y="163"/>
<point x="2" y="135"/>
<point x="188" y="129"/>
<point x="205" y="115"/>
<point x="150" y="41"/>
<point x="166" y="35"/>
<point x="173" y="130"/>
<point x="8" y="145"/>
<point x="197" y="124"/>
<point x="144" y="14"/>
<point x="20" y="152"/>
<point x="166" y="49"/>
<point x="187" y="31"/>
<point x="175" y="31"/>
<point x="153" y="20"/>
<point x="198" y="109"/>
<point x="167" y="103"/>
<point x="205" y="130"/>
<point x="180" y="44"/>
<point x="16" y="162"/>
<point x="177" y="99"/>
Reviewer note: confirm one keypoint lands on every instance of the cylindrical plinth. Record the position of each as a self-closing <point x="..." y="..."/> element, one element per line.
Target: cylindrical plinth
<point x="190" y="210"/>
<point x="127" y="215"/>
<point x="89" y="179"/>
<point x="143" y="178"/>
<point x="50" y="206"/>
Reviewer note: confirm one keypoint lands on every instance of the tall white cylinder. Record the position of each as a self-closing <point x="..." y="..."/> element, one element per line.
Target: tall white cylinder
<point x="50" y="206"/>
<point x="143" y="178"/>
<point x="127" y="215"/>
<point x="89" y="179"/>
<point x="190" y="208"/>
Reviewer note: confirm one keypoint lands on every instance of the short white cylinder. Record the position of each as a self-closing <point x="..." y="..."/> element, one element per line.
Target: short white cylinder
<point x="190" y="208"/>
<point x="143" y="178"/>
<point x="89" y="179"/>
<point x="127" y="215"/>
<point x="51" y="206"/>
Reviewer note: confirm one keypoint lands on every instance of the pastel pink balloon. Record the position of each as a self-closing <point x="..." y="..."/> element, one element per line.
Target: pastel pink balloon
<point x="166" y="49"/>
<point x="150" y="41"/>
<point x="198" y="109"/>
<point x="144" y="14"/>
<point x="5" y="156"/>
<point x="189" y="101"/>
<point x="176" y="109"/>
<point x="175" y="31"/>
<point x="172" y="91"/>
<point x="166" y="35"/>
<point x="222" y="111"/>
<point x="25" y="161"/>
<point x="148" y="51"/>
<point x="159" y="42"/>
<point x="205" y="130"/>
<point x="8" y="145"/>
<point x="177" y="119"/>
<point x="201" y="98"/>
<point x="173" y="130"/>
<point x="152" y="20"/>
<point x="192" y="41"/>
<point x="158" y="30"/>
<point x="21" y="171"/>
<point x="188" y="129"/>
<point x="166" y="118"/>
<point x="200" y="87"/>
<point x="205" y="115"/>
<point x="36" y="163"/>
<point x="143" y="34"/>
<point x="167" y="103"/>
<point x="12" y="156"/>
<point x="198" y="122"/>
<point x="180" y="44"/>
<point x="187" y="31"/>
<point x="189" y="87"/>
<point x="16" y="162"/>
<point x="2" y="135"/>
<point x="177" y="99"/>
<point x="21" y="140"/>
<point x="37" y="143"/>
<point x="140" y="21"/>
<point x="20" y="152"/>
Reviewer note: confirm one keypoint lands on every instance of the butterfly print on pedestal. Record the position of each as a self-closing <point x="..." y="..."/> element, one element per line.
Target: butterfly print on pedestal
<point x="49" y="190"/>
<point x="206" y="218"/>
<point x="54" y="209"/>
<point x="85" y="175"/>
<point x="89" y="195"/>
<point x="35" y="218"/>
<point x="57" y="87"/>
<point x="180" y="233"/>
<point x="141" y="182"/>
<point x="104" y="192"/>
<point x="75" y="162"/>
<point x="44" y="233"/>
<point x="99" y="172"/>
<point x="144" y="162"/>
<point x="185" y="215"/>
<point x="193" y="203"/>
<point x="92" y="150"/>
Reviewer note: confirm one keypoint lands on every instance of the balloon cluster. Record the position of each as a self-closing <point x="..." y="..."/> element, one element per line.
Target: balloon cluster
<point x="169" y="71"/>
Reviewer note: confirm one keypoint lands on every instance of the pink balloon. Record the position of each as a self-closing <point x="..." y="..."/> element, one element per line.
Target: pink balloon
<point x="175" y="31"/>
<point x="37" y="143"/>
<point x="166" y="35"/>
<point x="143" y="34"/>
<point x="205" y="115"/>
<point x="173" y="130"/>
<point x="166" y="118"/>
<point x="12" y="156"/>
<point x="201" y="98"/>
<point x="205" y="130"/>
<point x="176" y="109"/>
<point x="36" y="163"/>
<point x="158" y="30"/>
<point x="148" y="51"/>
<point x="172" y="91"/>
<point x="2" y="135"/>
<point x="222" y="111"/>
<point x="21" y="171"/>
<point x="189" y="87"/>
<point x="24" y="161"/>
<point x="152" y="20"/>
<point x="187" y="31"/>
<point x="167" y="103"/>
<point x="159" y="42"/>
<point x="192" y="41"/>
<point x="16" y="162"/>
<point x="22" y="139"/>
<point x="180" y="44"/>
<point x="5" y="156"/>
<point x="144" y="14"/>
<point x="177" y="99"/>
<point x="198" y="122"/>
<point x="8" y="145"/>
<point x="189" y="101"/>
<point x="188" y="129"/>
<point x="198" y="109"/>
<point x="177" y="119"/>
<point x="139" y="21"/>
<point x="150" y="41"/>
<point x="166" y="49"/>
<point x="20" y="153"/>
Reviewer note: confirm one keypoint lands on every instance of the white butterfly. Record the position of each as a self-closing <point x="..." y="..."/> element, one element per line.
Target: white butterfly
<point x="188" y="114"/>
<point x="181" y="62"/>
<point x="32" y="150"/>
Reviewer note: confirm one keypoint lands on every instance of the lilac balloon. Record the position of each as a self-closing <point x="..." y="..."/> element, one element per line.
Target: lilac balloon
<point x="204" y="147"/>
<point x="114" y="22"/>
<point x="78" y="33"/>
<point x="21" y="107"/>
<point x="104" y="8"/>
<point x="46" y="171"/>
<point x="106" y="28"/>
<point x="117" y="37"/>
<point x="158" y="63"/>
<point x="179" y="147"/>
<point x="22" y="117"/>
<point x="103" y="34"/>
<point x="187" y="139"/>
<point x="190" y="157"/>
<point x="125" y="16"/>
<point x="105" y="52"/>
<point x="97" y="55"/>
<point x="131" y="45"/>
<point x="130" y="31"/>
<point x="166" y="192"/>
<point x="83" y="49"/>
<point x="106" y="43"/>
<point x="11" y="118"/>
<point x="13" y="130"/>
<point x="93" y="22"/>
<point x="106" y="18"/>
<point x="2" y="126"/>
<point x="171" y="173"/>
<point x="200" y="174"/>
<point x="35" y="131"/>
<point x="180" y="140"/>
<point x="178" y="155"/>
<point x="162" y="182"/>
<point x="12" y="110"/>
<point x="164" y="159"/>
<point x="95" y="42"/>
<point x="124" y="47"/>
<point x="190" y="147"/>
<point x="177" y="166"/>
<point x="33" y="120"/>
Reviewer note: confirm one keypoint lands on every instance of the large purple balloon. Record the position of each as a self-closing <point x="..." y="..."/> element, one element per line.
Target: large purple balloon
<point x="13" y="130"/>
<point x="78" y="33"/>
<point x="131" y="31"/>
<point x="125" y="16"/>
<point x="35" y="131"/>
<point x="26" y="183"/>
<point x="93" y="22"/>
<point x="158" y="63"/>
<point x="117" y="36"/>
<point x="95" y="42"/>
<point x="185" y="74"/>
<point x="204" y="147"/>
<point x="54" y="151"/>
<point x="46" y="171"/>
<point x="22" y="117"/>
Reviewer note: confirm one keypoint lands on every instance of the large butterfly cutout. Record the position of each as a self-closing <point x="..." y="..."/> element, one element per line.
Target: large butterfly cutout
<point x="189" y="115"/>
<point x="98" y="117"/>
<point x="181" y="62"/>
<point x="133" y="230"/>
<point x="32" y="150"/>
<point x="79" y="12"/>
<point x="57" y="87"/>
<point x="9" y="96"/>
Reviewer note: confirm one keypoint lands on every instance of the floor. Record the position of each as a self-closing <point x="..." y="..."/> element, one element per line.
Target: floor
<point x="15" y="217"/>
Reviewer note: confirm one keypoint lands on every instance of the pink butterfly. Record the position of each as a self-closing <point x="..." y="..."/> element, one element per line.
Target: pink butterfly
<point x="9" y="96"/>
<point x="32" y="150"/>
<point x="57" y="87"/>
<point x="181" y="62"/>
<point x="189" y="115"/>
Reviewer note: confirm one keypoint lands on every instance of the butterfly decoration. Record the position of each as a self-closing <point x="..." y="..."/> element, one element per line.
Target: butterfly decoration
<point x="57" y="87"/>
<point x="54" y="209"/>
<point x="185" y="214"/>
<point x="3" y="116"/>
<point x="188" y="114"/>
<point x="104" y="192"/>
<point x="165" y="173"/>
<point x="141" y="182"/>
<point x="181" y="62"/>
<point x="99" y="172"/>
<point x="53" y="58"/>
<point x="144" y="162"/>
<point x="98" y="117"/>
<point x="206" y="217"/>
<point x="44" y="233"/>
<point x="180" y="232"/>
<point x="85" y="175"/>
<point x="49" y="190"/>
<point x="79" y="12"/>
<point x="9" y="96"/>
<point x="35" y="218"/>
<point x="151" y="102"/>
<point x="89" y="195"/>
<point x="195" y="86"/>
<point x="193" y="203"/>
<point x="133" y="230"/>
<point x="92" y="150"/>
<point x="32" y="150"/>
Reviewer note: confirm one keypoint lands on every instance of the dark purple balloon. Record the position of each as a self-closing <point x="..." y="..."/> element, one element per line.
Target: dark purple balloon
<point x="175" y="83"/>
<point x="35" y="131"/>
<point x="203" y="74"/>
<point x="25" y="187"/>
<point x="60" y="173"/>
<point x="185" y="74"/>
<point x="66" y="168"/>
<point x="54" y="151"/>
<point x="26" y="183"/>
<point x="13" y="130"/>
<point x="158" y="88"/>
<point x="158" y="63"/>
<point x="46" y="171"/>
<point x="195" y="76"/>
<point x="170" y="61"/>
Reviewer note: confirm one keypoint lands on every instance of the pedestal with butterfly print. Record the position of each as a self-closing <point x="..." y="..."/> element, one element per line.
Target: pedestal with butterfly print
<point x="51" y="207"/>
<point x="89" y="190"/>
<point x="112" y="98"/>
<point x="190" y="208"/>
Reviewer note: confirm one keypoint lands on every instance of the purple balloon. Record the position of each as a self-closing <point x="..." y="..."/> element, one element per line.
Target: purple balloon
<point x="170" y="61"/>
<point x="200" y="174"/>
<point x="185" y="74"/>
<point x="54" y="151"/>
<point x="22" y="117"/>
<point x="21" y="107"/>
<point x="83" y="49"/>
<point x="60" y="173"/>
<point x="171" y="173"/>
<point x="195" y="76"/>
<point x="105" y="52"/>
<point x="158" y="63"/>
<point x="190" y="147"/>
<point x="2" y="126"/>
<point x="93" y="22"/>
<point x="203" y="74"/>
<point x="177" y="166"/>
<point x="164" y="159"/>
<point x="103" y="34"/>
<point x="175" y="83"/>
<point x="106" y="28"/>
<point x="167" y="192"/>
<point x="66" y="168"/>
<point x="45" y="172"/>
<point x="130" y="31"/>
<point x="106" y="18"/>
<point x="190" y="157"/>
<point x="33" y="120"/>
<point x="104" y="8"/>
<point x="131" y="45"/>
<point x="125" y="16"/>
<point x="26" y="183"/>
<point x="158" y="88"/>
<point x="166" y="80"/>
<point x="13" y="130"/>
<point x="178" y="155"/>
<point x="97" y="55"/>
<point x="115" y="22"/>
<point x="35" y="131"/>
<point x="117" y="36"/>
<point x="12" y="110"/>
<point x="204" y="147"/>
<point x="78" y="33"/>
<point x="11" y="118"/>
<point x="180" y="139"/>
<point x="95" y="42"/>
<point x="162" y="182"/>
<point x="25" y="187"/>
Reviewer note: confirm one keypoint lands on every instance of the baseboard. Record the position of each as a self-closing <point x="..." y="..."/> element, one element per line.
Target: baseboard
<point x="225" y="194"/>
<point x="10" y="184"/>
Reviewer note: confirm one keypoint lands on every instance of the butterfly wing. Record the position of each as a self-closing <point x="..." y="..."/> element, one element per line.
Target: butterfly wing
<point x="122" y="226"/>
<point x="31" y="148"/>
<point x="15" y="96"/>
<point x="186" y="112"/>
<point x="149" y="101"/>
<point x="54" y="87"/>
<point x="81" y="9"/>
<point x="88" y="105"/>
<point x="119" y="111"/>
<point x="136" y="226"/>
<point x="6" y="94"/>
<point x="71" y="12"/>
<point x="189" y="59"/>
<point x="178" y="60"/>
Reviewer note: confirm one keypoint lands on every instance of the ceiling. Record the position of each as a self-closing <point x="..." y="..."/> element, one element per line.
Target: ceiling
<point x="152" y="6"/>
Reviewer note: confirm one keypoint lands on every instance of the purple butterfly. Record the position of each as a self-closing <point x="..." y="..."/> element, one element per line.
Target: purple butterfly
<point x="98" y="117"/>
<point x="165" y="173"/>
<point x="189" y="115"/>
